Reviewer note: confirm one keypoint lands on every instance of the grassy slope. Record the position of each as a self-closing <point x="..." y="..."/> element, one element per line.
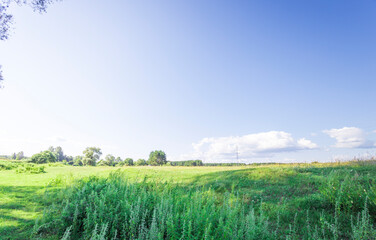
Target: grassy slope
<point x="285" y="189"/>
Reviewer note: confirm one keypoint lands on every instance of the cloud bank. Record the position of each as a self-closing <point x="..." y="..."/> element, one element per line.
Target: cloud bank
<point x="247" y="147"/>
<point x="349" y="137"/>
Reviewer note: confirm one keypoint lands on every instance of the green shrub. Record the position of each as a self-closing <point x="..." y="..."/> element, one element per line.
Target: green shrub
<point x="141" y="162"/>
<point x="5" y="165"/>
<point x="30" y="168"/>
<point x="43" y="157"/>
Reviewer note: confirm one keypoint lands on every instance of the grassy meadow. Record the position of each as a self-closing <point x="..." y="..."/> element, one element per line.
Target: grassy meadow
<point x="276" y="201"/>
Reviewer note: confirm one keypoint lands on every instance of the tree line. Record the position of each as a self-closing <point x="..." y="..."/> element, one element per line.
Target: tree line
<point x="91" y="156"/>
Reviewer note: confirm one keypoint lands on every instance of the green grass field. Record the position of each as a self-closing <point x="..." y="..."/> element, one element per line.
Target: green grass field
<point x="296" y="201"/>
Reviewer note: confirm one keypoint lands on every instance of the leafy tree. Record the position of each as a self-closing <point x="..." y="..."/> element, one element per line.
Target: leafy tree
<point x="91" y="156"/>
<point x="109" y="160"/>
<point x="77" y="161"/>
<point x="102" y="162"/>
<point x="6" y="19"/>
<point x="69" y="159"/>
<point x="20" y="155"/>
<point x="14" y="156"/>
<point x="118" y="161"/>
<point x="128" y="162"/>
<point x="141" y="162"/>
<point x="157" y="158"/>
<point x="58" y="151"/>
<point x="43" y="157"/>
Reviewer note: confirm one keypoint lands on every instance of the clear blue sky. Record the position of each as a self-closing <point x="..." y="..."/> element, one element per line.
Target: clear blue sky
<point x="277" y="80"/>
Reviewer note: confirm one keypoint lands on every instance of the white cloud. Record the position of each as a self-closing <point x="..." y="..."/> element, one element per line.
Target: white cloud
<point x="260" y="145"/>
<point x="349" y="137"/>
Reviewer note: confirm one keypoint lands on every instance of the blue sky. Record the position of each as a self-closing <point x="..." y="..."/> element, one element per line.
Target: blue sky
<point x="280" y="81"/>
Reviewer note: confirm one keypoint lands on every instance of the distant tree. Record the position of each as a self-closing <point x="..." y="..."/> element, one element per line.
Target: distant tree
<point x="109" y="160"/>
<point x="91" y="156"/>
<point x="101" y="162"/>
<point x="58" y="151"/>
<point x="69" y="159"/>
<point x="20" y="155"/>
<point x="157" y="158"/>
<point x="128" y="162"/>
<point x="14" y="156"/>
<point x="187" y="163"/>
<point x="141" y="162"/>
<point x="43" y="157"/>
<point x="77" y="161"/>
<point x="118" y="161"/>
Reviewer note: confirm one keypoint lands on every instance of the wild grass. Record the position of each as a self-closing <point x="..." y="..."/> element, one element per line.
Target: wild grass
<point x="30" y="168"/>
<point x="280" y="201"/>
<point x="115" y="208"/>
<point x="8" y="165"/>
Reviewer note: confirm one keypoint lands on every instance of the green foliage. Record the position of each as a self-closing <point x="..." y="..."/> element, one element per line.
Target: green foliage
<point x="58" y="151"/>
<point x="109" y="160"/>
<point x="43" y="157"/>
<point x="288" y="201"/>
<point x="362" y="226"/>
<point x="91" y="156"/>
<point x="157" y="158"/>
<point x="224" y="164"/>
<point x="187" y="163"/>
<point x="141" y="162"/>
<point x="20" y="155"/>
<point x="128" y="162"/>
<point x="30" y="168"/>
<point x="77" y="161"/>
<point x="348" y="190"/>
<point x="8" y="165"/>
<point x="118" y="160"/>
<point x="110" y="208"/>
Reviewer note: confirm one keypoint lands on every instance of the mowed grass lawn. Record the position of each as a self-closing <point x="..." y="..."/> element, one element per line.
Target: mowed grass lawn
<point x="289" y="194"/>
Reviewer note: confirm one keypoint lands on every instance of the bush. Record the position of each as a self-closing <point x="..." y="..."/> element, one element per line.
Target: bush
<point x="128" y="162"/>
<point x="30" y="168"/>
<point x="5" y="165"/>
<point x="141" y="162"/>
<point x="43" y="157"/>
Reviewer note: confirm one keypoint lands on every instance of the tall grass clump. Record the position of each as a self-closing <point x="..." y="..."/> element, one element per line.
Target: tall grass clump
<point x="362" y="227"/>
<point x="347" y="190"/>
<point x="342" y="207"/>
<point x="114" y="208"/>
